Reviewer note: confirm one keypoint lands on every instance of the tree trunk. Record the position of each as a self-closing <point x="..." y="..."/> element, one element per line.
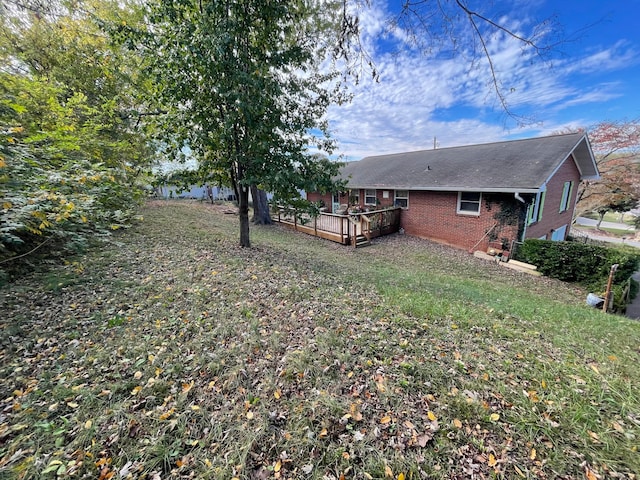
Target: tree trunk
<point x="600" y="218"/>
<point x="261" y="214"/>
<point x="243" y="210"/>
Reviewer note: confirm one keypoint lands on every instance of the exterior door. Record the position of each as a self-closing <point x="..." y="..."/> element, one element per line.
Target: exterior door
<point x="335" y="202"/>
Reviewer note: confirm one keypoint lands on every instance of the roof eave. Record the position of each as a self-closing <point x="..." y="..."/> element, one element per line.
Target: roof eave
<point x="586" y="163"/>
<point x="448" y="188"/>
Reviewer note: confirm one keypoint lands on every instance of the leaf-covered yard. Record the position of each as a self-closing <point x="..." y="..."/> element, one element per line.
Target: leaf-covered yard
<point x="172" y="353"/>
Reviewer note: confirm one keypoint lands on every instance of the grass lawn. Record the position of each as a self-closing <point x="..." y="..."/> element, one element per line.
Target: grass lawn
<point x="172" y="353"/>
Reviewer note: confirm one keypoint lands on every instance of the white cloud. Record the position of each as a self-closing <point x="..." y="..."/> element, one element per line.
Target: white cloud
<point x="420" y="97"/>
<point x="618" y="56"/>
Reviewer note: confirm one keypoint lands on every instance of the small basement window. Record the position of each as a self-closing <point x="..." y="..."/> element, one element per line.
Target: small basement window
<point x="469" y="203"/>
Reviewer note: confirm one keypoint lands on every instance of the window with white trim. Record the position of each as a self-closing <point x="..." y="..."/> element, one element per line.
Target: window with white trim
<point x="469" y="203"/>
<point x="370" y="197"/>
<point x="535" y="209"/>
<point x="565" y="200"/>
<point x="354" y="197"/>
<point x="401" y="198"/>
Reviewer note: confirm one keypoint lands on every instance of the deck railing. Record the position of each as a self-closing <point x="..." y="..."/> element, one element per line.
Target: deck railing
<point x="383" y="222"/>
<point x="343" y="228"/>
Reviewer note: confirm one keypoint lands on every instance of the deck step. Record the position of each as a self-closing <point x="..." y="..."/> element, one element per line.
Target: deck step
<point x="361" y="241"/>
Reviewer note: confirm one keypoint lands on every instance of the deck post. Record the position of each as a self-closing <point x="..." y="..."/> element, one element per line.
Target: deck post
<point x="354" y="239"/>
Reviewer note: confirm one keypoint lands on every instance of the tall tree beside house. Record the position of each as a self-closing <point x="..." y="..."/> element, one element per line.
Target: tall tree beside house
<point x="261" y="213"/>
<point x="616" y="146"/>
<point x="242" y="87"/>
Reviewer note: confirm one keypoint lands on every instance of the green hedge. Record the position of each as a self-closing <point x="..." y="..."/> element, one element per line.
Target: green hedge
<point x="587" y="265"/>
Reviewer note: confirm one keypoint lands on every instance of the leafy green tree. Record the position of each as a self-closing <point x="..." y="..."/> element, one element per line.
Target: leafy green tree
<point x="242" y="87"/>
<point x="70" y="153"/>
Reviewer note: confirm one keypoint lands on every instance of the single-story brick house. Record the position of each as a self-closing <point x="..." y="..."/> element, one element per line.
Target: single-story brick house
<point x="477" y="195"/>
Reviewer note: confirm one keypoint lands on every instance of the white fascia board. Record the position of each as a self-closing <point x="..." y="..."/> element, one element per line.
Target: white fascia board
<point x="450" y="189"/>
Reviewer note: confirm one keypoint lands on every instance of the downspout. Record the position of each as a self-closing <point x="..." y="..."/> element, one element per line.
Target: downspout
<point x="518" y="197"/>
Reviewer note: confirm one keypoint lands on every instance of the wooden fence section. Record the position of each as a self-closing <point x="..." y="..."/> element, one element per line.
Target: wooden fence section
<point x="344" y="229"/>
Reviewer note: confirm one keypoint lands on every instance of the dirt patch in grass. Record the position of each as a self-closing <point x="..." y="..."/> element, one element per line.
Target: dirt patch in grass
<point x="173" y="353"/>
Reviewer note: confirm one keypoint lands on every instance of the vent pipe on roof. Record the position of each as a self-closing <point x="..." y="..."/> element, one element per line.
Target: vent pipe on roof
<point x="518" y="197"/>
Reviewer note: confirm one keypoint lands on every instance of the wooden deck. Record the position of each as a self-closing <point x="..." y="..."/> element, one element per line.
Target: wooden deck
<point x="355" y="229"/>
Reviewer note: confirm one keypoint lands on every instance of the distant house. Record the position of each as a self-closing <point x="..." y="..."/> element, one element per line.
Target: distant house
<point x="475" y="196"/>
<point x="195" y="192"/>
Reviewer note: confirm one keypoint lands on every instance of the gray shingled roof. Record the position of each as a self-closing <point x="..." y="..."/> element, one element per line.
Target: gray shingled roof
<point x="511" y="166"/>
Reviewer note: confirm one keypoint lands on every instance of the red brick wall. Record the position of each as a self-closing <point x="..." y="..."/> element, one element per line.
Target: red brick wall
<point x="433" y="215"/>
<point x="551" y="218"/>
<point x="381" y="202"/>
<point x="327" y="198"/>
<point x="316" y="197"/>
<point x="344" y="199"/>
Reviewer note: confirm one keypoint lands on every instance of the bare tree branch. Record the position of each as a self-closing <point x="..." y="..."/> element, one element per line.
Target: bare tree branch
<point x="435" y="25"/>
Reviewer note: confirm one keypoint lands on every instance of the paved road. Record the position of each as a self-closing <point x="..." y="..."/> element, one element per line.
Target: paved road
<point x="601" y="238"/>
<point x="587" y="222"/>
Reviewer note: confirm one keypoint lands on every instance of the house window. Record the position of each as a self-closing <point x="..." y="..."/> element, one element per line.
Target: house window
<point x="354" y="197"/>
<point x="469" y="203"/>
<point x="565" y="201"/>
<point x="535" y="209"/>
<point x="401" y="198"/>
<point x="370" y="197"/>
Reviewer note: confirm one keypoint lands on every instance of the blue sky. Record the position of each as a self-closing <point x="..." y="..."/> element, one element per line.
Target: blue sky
<point x="591" y="77"/>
